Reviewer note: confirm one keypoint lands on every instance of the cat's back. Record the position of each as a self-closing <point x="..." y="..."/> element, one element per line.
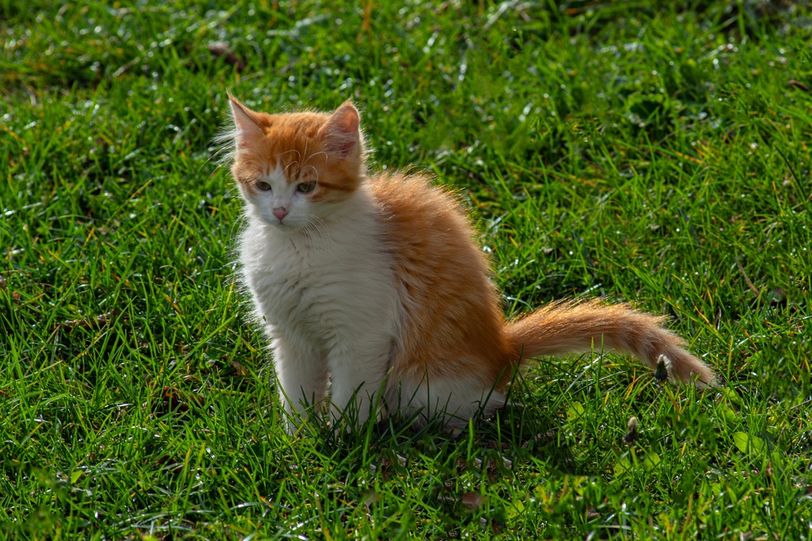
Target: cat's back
<point x="428" y="233"/>
<point x="442" y="273"/>
<point x="420" y="214"/>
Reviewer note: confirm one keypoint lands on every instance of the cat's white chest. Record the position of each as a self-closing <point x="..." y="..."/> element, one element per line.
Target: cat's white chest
<point x="328" y="288"/>
<point x="286" y="282"/>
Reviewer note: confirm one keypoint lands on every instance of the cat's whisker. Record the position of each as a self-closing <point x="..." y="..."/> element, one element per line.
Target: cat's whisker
<point x="314" y="226"/>
<point x="287" y="167"/>
<point x="289" y="151"/>
<point x="304" y="152"/>
<point x="296" y="160"/>
<point x="318" y="154"/>
<point x="313" y="172"/>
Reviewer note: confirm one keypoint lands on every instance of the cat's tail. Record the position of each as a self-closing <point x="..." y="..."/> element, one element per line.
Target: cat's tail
<point x="569" y="327"/>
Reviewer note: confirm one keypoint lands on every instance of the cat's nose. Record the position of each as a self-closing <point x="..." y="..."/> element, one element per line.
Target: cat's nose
<point x="280" y="212"/>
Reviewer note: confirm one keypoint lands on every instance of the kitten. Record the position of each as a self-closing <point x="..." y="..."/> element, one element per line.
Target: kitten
<point x="375" y="285"/>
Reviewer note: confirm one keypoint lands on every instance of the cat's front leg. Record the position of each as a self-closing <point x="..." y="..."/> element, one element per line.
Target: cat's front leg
<point x="357" y="385"/>
<point x="301" y="373"/>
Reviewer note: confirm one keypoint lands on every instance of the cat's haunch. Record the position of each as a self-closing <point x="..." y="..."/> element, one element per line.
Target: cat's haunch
<point x="375" y="284"/>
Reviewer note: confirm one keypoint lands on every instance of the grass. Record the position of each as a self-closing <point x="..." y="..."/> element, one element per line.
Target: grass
<point x="658" y="155"/>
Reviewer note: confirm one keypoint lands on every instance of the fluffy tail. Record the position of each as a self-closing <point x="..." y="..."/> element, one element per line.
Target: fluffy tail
<point x="568" y="327"/>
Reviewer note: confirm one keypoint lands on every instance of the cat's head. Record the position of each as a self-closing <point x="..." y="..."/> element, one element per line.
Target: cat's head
<point x="294" y="168"/>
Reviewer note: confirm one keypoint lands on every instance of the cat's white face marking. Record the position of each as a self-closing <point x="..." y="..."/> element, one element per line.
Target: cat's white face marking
<point x="278" y="202"/>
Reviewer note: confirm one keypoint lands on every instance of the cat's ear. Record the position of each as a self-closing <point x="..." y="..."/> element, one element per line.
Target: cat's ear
<point x="341" y="134"/>
<point x="246" y="122"/>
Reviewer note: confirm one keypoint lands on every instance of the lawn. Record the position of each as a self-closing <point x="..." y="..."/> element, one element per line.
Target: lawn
<point x="649" y="152"/>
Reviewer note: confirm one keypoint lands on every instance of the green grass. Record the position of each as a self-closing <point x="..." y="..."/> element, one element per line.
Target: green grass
<point x="654" y="155"/>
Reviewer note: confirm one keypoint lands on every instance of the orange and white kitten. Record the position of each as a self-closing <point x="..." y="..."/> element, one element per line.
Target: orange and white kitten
<point x="375" y="284"/>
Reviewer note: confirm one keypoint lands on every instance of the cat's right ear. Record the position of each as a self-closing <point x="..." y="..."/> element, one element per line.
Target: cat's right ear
<point x="341" y="133"/>
<point x="246" y="122"/>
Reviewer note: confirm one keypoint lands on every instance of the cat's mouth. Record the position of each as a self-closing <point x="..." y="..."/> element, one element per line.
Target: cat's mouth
<point x="283" y="224"/>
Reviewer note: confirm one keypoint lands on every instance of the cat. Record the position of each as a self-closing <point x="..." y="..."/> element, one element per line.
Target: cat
<point x="374" y="294"/>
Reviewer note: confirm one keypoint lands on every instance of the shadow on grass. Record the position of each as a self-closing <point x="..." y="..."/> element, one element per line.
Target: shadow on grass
<point x="515" y="432"/>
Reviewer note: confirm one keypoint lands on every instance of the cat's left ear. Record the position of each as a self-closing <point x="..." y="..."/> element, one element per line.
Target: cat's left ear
<point x="341" y="134"/>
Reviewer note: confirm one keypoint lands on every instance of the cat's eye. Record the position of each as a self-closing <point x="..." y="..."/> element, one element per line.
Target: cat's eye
<point x="306" y="187"/>
<point x="263" y="186"/>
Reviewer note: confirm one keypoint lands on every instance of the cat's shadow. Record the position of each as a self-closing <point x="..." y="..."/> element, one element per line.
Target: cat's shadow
<point x="516" y="433"/>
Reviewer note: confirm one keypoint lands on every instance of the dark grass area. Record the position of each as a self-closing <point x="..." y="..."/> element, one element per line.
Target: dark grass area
<point x="655" y="153"/>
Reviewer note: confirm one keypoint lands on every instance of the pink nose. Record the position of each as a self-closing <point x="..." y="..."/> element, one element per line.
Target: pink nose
<point x="280" y="212"/>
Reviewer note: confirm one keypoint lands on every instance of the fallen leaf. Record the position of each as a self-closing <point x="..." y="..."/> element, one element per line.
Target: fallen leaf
<point x="222" y="49"/>
<point x="239" y="369"/>
<point x="632" y="426"/>
<point x="473" y="500"/>
<point x="794" y="83"/>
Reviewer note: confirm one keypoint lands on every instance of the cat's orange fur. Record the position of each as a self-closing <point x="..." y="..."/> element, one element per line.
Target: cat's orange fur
<point x="449" y="319"/>
<point x="454" y="320"/>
